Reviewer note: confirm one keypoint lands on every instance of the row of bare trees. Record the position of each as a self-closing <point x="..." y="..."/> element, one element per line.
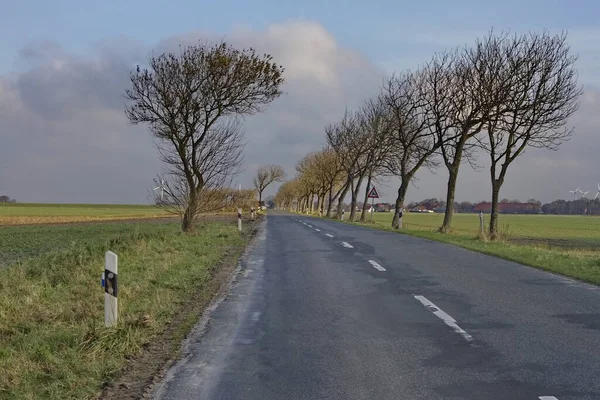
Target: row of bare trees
<point x="505" y="93"/>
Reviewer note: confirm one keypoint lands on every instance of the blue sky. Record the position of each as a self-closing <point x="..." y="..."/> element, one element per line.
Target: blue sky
<point x="64" y="67"/>
<point x="374" y="28"/>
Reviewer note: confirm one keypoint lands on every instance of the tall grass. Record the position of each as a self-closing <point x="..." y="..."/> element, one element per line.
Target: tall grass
<point x="53" y="344"/>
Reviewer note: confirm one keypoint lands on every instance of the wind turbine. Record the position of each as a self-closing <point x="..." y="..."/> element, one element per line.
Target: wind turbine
<point x="597" y="194"/>
<point x="162" y="188"/>
<point x="575" y="192"/>
<point x="583" y="193"/>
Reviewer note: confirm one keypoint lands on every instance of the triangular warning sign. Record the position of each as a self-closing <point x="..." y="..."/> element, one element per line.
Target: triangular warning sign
<point x="373" y="194"/>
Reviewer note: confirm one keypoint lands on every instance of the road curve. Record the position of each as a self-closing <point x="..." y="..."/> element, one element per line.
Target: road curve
<point x="323" y="310"/>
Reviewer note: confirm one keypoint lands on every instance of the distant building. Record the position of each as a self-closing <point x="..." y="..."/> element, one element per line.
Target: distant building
<point x="382" y="207"/>
<point x="509" y="208"/>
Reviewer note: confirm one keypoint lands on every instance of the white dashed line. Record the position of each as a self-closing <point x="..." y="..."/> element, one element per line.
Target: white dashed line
<point x="348" y="245"/>
<point x="448" y="320"/>
<point x="327" y="234"/>
<point x="310" y="226"/>
<point x="377" y="266"/>
<point x="318" y="230"/>
<point x="548" y="398"/>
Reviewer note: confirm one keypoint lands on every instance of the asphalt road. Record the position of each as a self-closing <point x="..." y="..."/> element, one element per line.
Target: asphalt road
<point x="323" y="310"/>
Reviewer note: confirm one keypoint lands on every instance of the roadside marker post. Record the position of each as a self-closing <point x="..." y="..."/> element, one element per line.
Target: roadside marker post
<point x="252" y="213"/>
<point x="109" y="280"/>
<point x="481" y="224"/>
<point x="343" y="211"/>
<point x="373" y="195"/>
<point x="239" y="219"/>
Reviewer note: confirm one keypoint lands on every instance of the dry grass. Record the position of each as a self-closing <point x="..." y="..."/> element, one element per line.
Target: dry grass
<point x="53" y="344"/>
<point x="43" y="220"/>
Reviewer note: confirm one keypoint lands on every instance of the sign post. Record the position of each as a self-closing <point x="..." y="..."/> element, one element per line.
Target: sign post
<point x="110" y="289"/>
<point x="239" y="219"/>
<point x="373" y="195"/>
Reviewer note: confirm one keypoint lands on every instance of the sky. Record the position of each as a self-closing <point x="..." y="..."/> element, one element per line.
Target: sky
<point x="64" y="68"/>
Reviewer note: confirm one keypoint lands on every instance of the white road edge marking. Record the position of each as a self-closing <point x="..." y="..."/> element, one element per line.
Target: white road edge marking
<point x="448" y="320"/>
<point x="318" y="230"/>
<point x="327" y="234"/>
<point x="377" y="266"/>
<point x="348" y="245"/>
<point x="547" y="398"/>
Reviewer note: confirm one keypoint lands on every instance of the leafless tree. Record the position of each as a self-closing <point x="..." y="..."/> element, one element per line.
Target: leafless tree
<point x="219" y="159"/>
<point x="458" y="102"/>
<point x="376" y="126"/>
<point x="190" y="101"/>
<point x="266" y="175"/>
<point x="538" y="93"/>
<point x="348" y="141"/>
<point x="331" y="174"/>
<point x="308" y="180"/>
<point x="414" y="141"/>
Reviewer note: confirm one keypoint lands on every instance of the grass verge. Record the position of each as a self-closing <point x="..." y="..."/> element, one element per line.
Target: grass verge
<point x="575" y="262"/>
<point x="53" y="344"/>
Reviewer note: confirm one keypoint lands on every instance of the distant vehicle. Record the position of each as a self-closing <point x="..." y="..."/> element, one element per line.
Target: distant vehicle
<point x="421" y="210"/>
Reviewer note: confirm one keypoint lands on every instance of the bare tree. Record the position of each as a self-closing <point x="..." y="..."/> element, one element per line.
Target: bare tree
<point x="414" y="141"/>
<point x="266" y="175"/>
<point x="287" y="194"/>
<point x="539" y="93"/>
<point x="190" y="102"/>
<point x="219" y="159"/>
<point x="459" y="104"/>
<point x="376" y="125"/>
<point x="350" y="143"/>
<point x="308" y="179"/>
<point x="331" y="174"/>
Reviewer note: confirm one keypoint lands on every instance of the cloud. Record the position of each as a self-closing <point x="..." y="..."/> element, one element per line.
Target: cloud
<point x="65" y="137"/>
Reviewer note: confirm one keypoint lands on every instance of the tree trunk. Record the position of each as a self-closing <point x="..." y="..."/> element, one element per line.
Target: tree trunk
<point x="330" y="203"/>
<point x="355" y="198"/>
<point x="364" y="209"/>
<point x="494" y="212"/>
<point x="312" y="203"/>
<point x="340" y="205"/>
<point x="322" y="204"/>
<point x="189" y="216"/>
<point x="399" y="207"/>
<point x="452" y="178"/>
<point x="259" y="196"/>
<point x="319" y="205"/>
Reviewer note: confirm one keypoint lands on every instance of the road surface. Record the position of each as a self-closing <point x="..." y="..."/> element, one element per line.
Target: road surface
<point x="324" y="310"/>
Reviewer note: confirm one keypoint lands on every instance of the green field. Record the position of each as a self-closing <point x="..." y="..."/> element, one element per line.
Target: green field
<point x="568" y="245"/>
<point x="573" y="230"/>
<point x="53" y="344"/>
<point x="19" y="243"/>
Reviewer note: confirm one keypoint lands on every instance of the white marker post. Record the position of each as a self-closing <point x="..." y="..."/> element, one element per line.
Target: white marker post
<point x="239" y="219"/>
<point x="481" y="224"/>
<point x="343" y="211"/>
<point x="110" y="289"/>
<point x="252" y="213"/>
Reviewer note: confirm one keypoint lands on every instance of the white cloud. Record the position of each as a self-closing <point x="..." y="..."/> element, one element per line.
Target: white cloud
<point x="65" y="137"/>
